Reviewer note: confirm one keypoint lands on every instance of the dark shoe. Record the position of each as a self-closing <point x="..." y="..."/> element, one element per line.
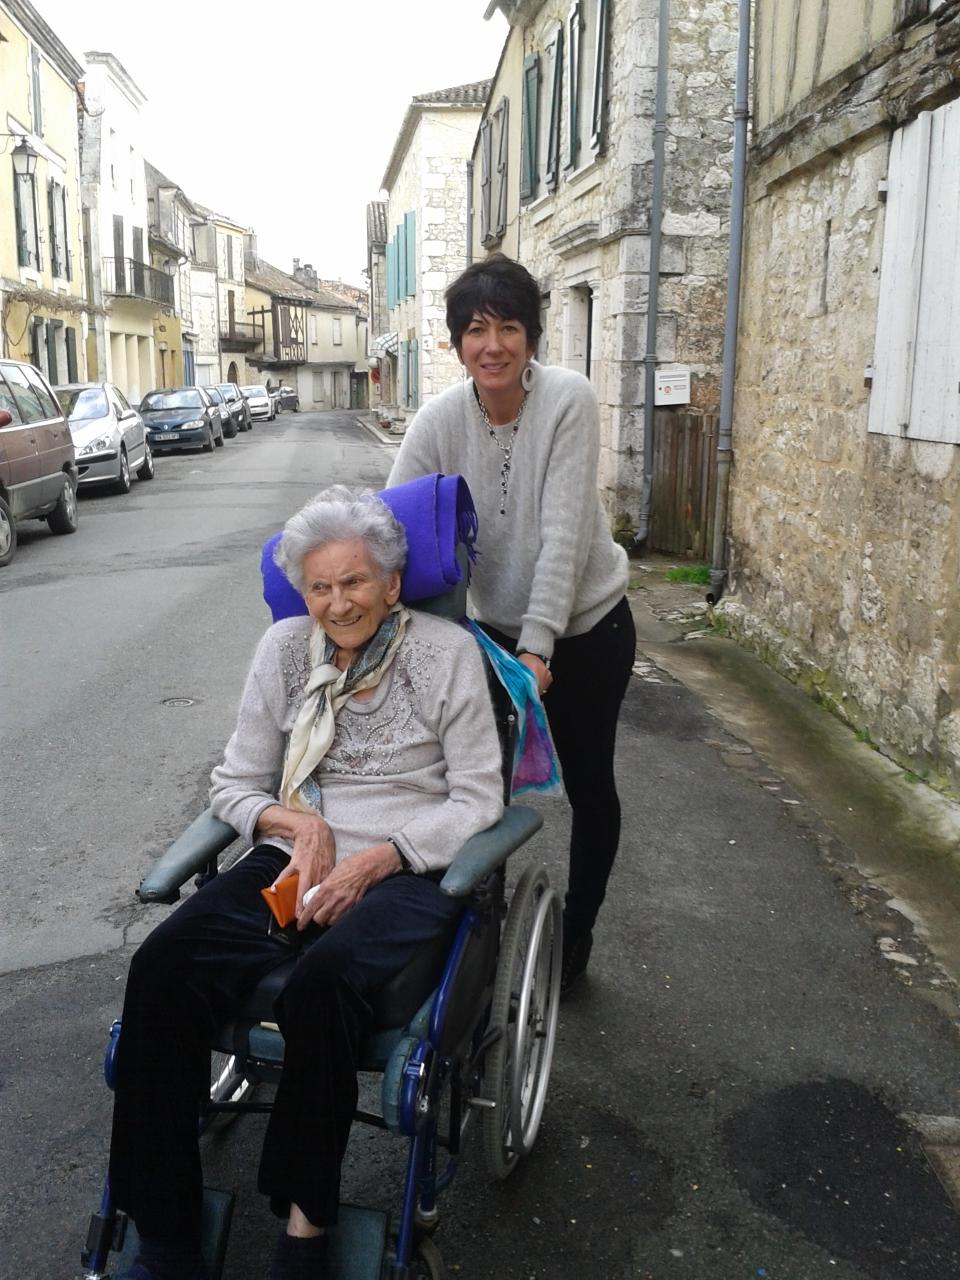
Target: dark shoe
<point x="157" y="1261"/>
<point x="298" y="1258"/>
<point x="576" y="954"/>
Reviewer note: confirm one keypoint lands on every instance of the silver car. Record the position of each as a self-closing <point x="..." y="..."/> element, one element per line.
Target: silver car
<point x="108" y="435"/>
<point x="259" y="402"/>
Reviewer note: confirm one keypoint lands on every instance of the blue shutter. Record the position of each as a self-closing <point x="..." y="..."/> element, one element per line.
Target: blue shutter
<point x="401" y="261"/>
<point x="410" y="231"/>
<point x="598" y="125"/>
<point x="403" y="362"/>
<point x="555" y="54"/>
<point x="414" y="374"/>
<point x="529" y="127"/>
<point x="391" y="276"/>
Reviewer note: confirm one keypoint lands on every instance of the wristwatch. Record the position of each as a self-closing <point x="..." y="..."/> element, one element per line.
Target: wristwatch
<point x="538" y="656"/>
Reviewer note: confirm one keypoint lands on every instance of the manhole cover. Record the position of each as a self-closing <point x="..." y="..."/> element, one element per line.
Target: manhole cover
<point x="179" y="702"/>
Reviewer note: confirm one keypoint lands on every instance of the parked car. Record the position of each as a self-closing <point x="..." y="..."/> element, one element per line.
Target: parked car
<point x="38" y="470"/>
<point x="181" y="417"/>
<point x="289" y="399"/>
<point x="259" y="402"/>
<point x="108" y="435"/>
<point x="236" y="405"/>
<point x="227" y="426"/>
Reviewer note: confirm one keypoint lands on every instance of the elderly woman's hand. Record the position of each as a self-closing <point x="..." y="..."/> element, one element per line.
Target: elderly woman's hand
<point x="314" y="847"/>
<point x="347" y="883"/>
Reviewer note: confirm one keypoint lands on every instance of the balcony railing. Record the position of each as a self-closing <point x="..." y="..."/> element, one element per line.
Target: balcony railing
<point x="125" y="278"/>
<point x="239" y="336"/>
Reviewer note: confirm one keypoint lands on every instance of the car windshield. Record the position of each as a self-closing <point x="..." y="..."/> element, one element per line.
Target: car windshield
<point x="214" y="394"/>
<point x="83" y="402"/>
<point x="253" y="391"/>
<point x="185" y="399"/>
<point x="227" y="390"/>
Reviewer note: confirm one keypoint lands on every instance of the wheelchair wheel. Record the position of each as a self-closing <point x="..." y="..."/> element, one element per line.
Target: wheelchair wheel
<point x="526" y="1001"/>
<point x="227" y="1084"/>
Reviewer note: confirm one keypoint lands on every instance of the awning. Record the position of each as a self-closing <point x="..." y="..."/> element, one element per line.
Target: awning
<point x="386" y="343"/>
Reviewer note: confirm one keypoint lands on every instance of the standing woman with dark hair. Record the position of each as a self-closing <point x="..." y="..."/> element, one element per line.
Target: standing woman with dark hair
<point x="549" y="581"/>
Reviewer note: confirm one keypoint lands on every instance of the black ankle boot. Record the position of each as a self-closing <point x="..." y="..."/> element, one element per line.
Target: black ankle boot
<point x="300" y="1258"/>
<point x="577" y="945"/>
<point x="158" y="1261"/>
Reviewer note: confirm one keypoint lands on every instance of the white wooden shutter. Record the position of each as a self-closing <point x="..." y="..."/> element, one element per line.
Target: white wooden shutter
<point x="916" y="385"/>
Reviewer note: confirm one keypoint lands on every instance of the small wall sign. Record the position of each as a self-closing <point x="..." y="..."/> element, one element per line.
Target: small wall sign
<point x="673" y="385"/>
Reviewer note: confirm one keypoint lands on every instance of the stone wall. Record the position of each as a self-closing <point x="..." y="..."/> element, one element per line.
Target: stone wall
<point x="588" y="242"/>
<point x="845" y="544"/>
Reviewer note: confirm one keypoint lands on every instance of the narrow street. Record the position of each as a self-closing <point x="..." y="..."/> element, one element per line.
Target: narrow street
<point x="732" y="1077"/>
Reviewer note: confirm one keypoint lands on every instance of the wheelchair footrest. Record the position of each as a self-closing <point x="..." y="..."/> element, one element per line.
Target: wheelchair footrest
<point x="214" y="1227"/>
<point x="358" y="1243"/>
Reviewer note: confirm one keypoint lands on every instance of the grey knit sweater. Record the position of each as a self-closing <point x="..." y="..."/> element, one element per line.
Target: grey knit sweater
<point x="419" y="760"/>
<point x="547" y="568"/>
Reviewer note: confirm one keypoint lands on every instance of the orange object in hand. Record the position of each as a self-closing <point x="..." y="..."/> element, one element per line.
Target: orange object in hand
<point x="281" y="898"/>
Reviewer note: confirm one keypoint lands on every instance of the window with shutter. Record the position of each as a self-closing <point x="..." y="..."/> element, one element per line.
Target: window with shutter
<point x="598" y="117"/>
<point x="573" y="85"/>
<point x="916" y="357"/>
<point x="35" y="103"/>
<point x="391" y="275"/>
<point x="70" y="337"/>
<point x="401" y="239"/>
<point x="410" y="240"/>
<point x="64" y="241"/>
<point x="554" y="54"/>
<point x="414" y="350"/>
<point x="27" y="221"/>
<point x="529" y="126"/>
<point x="52" y="227"/>
<point x="486" y="165"/>
<point x="503" y="138"/>
<point x="404" y="363"/>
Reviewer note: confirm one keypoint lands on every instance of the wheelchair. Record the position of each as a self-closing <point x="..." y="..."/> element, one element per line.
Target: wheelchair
<point x="462" y="1039"/>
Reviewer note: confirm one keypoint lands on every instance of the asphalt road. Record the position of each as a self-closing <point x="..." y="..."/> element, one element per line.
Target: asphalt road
<point x="730" y="1080"/>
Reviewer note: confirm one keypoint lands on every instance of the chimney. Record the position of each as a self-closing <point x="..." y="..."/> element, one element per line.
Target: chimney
<point x="304" y="275"/>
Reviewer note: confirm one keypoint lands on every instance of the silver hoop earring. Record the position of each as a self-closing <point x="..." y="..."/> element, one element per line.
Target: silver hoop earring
<point x="526" y="378"/>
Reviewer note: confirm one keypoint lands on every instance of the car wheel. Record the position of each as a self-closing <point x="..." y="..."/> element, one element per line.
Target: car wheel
<point x="123" y="479"/>
<point x="219" y="440"/>
<point x="8" y="534"/>
<point x="64" y="516"/>
<point x="148" y="470"/>
<point x="208" y="446"/>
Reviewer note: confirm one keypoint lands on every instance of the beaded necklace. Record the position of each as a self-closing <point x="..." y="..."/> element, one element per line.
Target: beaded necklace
<point x="505" y="449"/>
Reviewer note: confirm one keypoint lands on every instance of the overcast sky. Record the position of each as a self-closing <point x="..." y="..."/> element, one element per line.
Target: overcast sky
<point x="282" y="114"/>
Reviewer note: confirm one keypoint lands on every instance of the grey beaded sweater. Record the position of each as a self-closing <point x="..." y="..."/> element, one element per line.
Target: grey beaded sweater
<point x="547" y="568"/>
<point x="418" y="761"/>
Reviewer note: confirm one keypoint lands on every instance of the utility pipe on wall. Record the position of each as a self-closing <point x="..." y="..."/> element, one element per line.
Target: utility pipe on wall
<point x="653" y="288"/>
<point x="741" y="116"/>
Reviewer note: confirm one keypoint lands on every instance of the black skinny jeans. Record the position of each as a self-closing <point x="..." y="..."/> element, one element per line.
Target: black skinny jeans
<point x="590" y="677"/>
<point x="190" y="975"/>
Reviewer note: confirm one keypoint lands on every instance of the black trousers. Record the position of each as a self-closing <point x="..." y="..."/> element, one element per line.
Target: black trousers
<point x="590" y="673"/>
<point x="191" y="975"/>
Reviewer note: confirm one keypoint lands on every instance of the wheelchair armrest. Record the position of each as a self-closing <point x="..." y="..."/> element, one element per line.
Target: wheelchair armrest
<point x="485" y="851"/>
<point x="202" y="841"/>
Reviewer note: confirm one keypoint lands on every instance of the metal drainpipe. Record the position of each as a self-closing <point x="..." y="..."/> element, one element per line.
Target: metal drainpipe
<point x="741" y="115"/>
<point x="469" y="213"/>
<point x="653" y="288"/>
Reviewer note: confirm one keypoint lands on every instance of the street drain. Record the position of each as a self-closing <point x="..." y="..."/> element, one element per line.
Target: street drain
<point x="179" y="702"/>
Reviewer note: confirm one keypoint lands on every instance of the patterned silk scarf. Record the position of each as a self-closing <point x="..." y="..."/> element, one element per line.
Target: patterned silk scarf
<point x="326" y="691"/>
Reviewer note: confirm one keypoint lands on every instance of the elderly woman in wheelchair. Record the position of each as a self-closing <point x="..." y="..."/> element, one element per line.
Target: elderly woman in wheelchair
<point x="380" y="720"/>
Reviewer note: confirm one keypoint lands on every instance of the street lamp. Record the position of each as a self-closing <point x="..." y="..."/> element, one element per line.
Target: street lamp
<point x="24" y="159"/>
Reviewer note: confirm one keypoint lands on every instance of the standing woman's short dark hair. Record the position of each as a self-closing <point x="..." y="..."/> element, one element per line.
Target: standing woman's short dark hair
<point x="497" y="286"/>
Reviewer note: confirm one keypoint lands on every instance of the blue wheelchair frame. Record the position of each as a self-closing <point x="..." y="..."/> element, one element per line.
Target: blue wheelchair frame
<point x="442" y="1049"/>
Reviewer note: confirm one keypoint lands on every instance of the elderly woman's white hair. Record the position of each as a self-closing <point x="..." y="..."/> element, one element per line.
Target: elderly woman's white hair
<point x="339" y="514"/>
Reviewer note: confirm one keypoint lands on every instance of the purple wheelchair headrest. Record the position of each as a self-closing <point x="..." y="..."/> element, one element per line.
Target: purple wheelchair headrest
<point x="437" y="513"/>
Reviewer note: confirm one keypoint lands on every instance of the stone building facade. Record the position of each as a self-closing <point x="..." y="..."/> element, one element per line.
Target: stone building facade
<point x="569" y="129"/>
<point x="44" y="299"/>
<point x="845" y="496"/>
<point x="426" y="228"/>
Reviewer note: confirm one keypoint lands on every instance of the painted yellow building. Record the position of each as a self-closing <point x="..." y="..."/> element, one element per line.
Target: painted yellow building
<point x="43" y="289"/>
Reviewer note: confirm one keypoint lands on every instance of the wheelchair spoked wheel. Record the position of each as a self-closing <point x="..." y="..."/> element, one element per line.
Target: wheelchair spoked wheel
<point x="526" y="1002"/>
<point x="227" y="1084"/>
